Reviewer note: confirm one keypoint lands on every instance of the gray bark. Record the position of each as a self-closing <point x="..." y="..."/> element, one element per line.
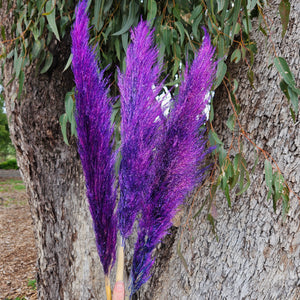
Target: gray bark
<point x="257" y="256"/>
<point x="68" y="265"/>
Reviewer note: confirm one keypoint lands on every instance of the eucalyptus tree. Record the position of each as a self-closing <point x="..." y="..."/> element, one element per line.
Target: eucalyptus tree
<point x="233" y="241"/>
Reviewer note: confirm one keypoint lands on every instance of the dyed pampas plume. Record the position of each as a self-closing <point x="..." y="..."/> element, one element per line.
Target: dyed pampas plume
<point x="140" y="130"/>
<point x="94" y="131"/>
<point x="178" y="163"/>
<point x="162" y="155"/>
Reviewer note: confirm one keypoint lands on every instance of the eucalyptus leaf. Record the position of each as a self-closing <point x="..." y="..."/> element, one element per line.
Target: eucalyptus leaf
<point x="222" y="69"/>
<point x="231" y="122"/>
<point x="68" y="62"/>
<point x="129" y="21"/>
<point x="181" y="31"/>
<point x="50" y="14"/>
<point x="294" y="100"/>
<point x="69" y="104"/>
<point x="284" y="11"/>
<point x="268" y="174"/>
<point x="284" y="70"/>
<point x="63" y="125"/>
<point x="236" y="56"/>
<point x="48" y="63"/>
<point x="152" y="11"/>
<point x="21" y="83"/>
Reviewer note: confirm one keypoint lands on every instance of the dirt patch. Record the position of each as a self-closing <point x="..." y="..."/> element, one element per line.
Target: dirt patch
<point x="17" y="244"/>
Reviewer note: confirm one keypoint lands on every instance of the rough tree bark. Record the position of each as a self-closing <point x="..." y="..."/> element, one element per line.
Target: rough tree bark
<point x="257" y="256"/>
<point x="68" y="265"/>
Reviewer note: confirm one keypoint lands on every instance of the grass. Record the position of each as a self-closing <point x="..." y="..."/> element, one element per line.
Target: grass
<point x="32" y="284"/>
<point x="10" y="192"/>
<point x="11" y="185"/>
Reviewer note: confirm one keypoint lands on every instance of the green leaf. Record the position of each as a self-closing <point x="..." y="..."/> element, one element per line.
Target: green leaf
<point x="226" y="192"/>
<point x="236" y="56"/>
<point x="37" y="46"/>
<point x="181" y="31"/>
<point x="69" y="106"/>
<point x="175" y="67"/>
<point x="237" y="28"/>
<point x="18" y="65"/>
<point x="222" y="155"/>
<point x="236" y="11"/>
<point x="195" y="27"/>
<point x="73" y="126"/>
<point x="268" y="174"/>
<point x="68" y="62"/>
<point x="242" y="186"/>
<point x="48" y="63"/>
<point x="221" y="4"/>
<point x="294" y="100"/>
<point x="107" y="6"/>
<point x="250" y="76"/>
<point x="21" y="83"/>
<point x="211" y="112"/>
<point x="50" y="14"/>
<point x="234" y="179"/>
<point x="231" y="122"/>
<point x="215" y="138"/>
<point x="196" y="12"/>
<point x="284" y="11"/>
<point x="221" y="47"/>
<point x="263" y="30"/>
<point x="129" y="21"/>
<point x="152" y="11"/>
<point x="63" y="125"/>
<point x="284" y="70"/>
<point x="251" y="4"/>
<point x="284" y="87"/>
<point x="124" y="39"/>
<point x="237" y="161"/>
<point x="98" y="8"/>
<point x="224" y="11"/>
<point x="278" y="181"/>
<point x="222" y="69"/>
<point x="235" y="85"/>
<point x="211" y="220"/>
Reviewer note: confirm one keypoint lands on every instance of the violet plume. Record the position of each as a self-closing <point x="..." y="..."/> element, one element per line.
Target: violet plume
<point x="178" y="163"/>
<point x="139" y="86"/>
<point x="93" y="112"/>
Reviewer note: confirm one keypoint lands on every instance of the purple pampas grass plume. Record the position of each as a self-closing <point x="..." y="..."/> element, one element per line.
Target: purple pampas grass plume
<point x="179" y="161"/>
<point x="93" y="113"/>
<point x="140" y="111"/>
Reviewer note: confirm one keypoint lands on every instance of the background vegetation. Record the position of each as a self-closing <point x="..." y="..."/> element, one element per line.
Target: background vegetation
<point x="40" y="25"/>
<point x="7" y="151"/>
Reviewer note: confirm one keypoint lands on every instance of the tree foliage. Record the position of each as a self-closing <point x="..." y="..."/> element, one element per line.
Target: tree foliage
<point x="5" y="142"/>
<point x="39" y="25"/>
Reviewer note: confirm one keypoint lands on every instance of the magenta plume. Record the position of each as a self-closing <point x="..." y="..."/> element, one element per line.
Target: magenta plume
<point x="140" y="112"/>
<point x="93" y="112"/>
<point x="179" y="161"/>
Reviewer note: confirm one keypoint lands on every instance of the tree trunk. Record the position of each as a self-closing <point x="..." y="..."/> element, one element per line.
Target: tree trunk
<point x="68" y="264"/>
<point x="257" y="256"/>
<point x="258" y="253"/>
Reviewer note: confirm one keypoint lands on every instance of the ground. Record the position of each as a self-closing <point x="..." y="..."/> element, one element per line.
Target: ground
<point x="17" y="245"/>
